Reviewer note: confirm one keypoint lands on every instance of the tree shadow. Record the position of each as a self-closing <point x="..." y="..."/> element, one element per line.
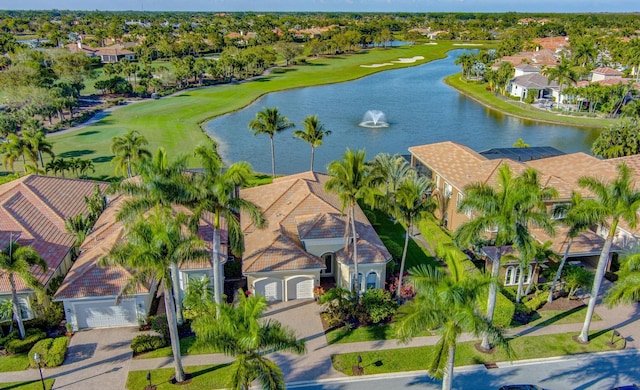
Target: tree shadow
<point x="283" y="70"/>
<point x="91" y="132"/>
<point x="76" y="153"/>
<point x="102" y="159"/>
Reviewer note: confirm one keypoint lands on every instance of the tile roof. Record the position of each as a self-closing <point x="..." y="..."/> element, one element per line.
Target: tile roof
<point x="588" y="243"/>
<point x="534" y="80"/>
<point x="607" y="71"/>
<point x="88" y="279"/>
<point x="297" y="207"/>
<point x="33" y="210"/>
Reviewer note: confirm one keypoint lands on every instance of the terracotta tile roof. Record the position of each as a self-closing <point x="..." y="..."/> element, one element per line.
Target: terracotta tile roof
<point x="296" y="207"/>
<point x="552" y="43"/>
<point x="88" y="279"/>
<point x="607" y="71"/>
<point x="586" y="244"/>
<point x="33" y="210"/>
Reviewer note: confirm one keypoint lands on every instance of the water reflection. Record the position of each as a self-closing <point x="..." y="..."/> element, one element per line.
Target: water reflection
<point x="419" y="106"/>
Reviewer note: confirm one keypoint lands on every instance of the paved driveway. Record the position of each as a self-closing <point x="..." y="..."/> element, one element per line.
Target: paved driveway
<point x="96" y="359"/>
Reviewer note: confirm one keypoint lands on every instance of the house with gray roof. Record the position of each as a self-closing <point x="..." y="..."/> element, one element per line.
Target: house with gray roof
<point x="539" y="84"/>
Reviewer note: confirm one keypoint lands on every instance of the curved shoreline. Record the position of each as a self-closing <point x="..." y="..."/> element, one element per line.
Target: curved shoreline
<point x="519" y="116"/>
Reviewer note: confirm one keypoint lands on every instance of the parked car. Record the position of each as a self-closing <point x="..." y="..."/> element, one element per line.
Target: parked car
<point x="521" y="387"/>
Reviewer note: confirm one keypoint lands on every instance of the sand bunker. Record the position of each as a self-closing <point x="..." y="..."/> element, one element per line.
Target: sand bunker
<point x="399" y="61"/>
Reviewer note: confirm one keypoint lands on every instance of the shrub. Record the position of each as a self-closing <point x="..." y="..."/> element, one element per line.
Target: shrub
<point x="51" y="351"/>
<point x="20" y="346"/>
<point x="378" y="305"/>
<point x="11" y="336"/>
<point x="160" y="325"/>
<point x="504" y="311"/>
<point x="394" y="249"/>
<point x="147" y="342"/>
<point x="371" y="216"/>
<point x="537" y="301"/>
<point x="232" y="269"/>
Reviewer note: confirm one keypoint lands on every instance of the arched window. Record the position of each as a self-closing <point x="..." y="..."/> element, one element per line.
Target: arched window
<point x="372" y="280"/>
<point x="510" y="277"/>
<point x="358" y="283"/>
<point x="527" y="275"/>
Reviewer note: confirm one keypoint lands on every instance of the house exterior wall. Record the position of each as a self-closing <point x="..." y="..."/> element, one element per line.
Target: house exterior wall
<point x="142" y="303"/>
<point x="185" y="275"/>
<point x="344" y="271"/>
<point x="25" y="299"/>
<point x="321" y="246"/>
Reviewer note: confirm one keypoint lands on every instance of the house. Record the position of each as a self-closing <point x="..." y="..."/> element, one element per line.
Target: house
<point x="90" y="292"/>
<point x="33" y="210"/>
<point x="305" y="241"/>
<point x="108" y="54"/>
<point x="452" y="167"/>
<point x="521" y="85"/>
<point x="600" y="74"/>
<point x="525" y="69"/>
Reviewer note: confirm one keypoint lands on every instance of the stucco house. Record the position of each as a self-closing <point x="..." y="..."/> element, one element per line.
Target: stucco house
<point x="89" y="291"/>
<point x="452" y="166"/>
<point x="33" y="209"/>
<point x="305" y="241"/>
<point x="521" y="85"/>
<point x="107" y="54"/>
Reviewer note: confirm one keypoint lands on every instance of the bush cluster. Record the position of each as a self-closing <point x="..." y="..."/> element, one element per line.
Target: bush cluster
<point x="160" y="325"/>
<point x="147" y="342"/>
<point x="341" y="309"/>
<point x="32" y="336"/>
<point x="10" y="336"/>
<point x="51" y="351"/>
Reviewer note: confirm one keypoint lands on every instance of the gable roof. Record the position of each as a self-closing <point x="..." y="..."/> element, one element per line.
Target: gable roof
<point x="607" y="71"/>
<point x="298" y="208"/>
<point x="534" y="80"/>
<point x="87" y="278"/>
<point x="33" y="209"/>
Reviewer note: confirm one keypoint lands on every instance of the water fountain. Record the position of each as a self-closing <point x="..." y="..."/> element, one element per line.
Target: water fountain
<point x="374" y="119"/>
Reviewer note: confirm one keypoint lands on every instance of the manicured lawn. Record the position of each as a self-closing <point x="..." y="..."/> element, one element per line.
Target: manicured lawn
<point x="32" y="385"/>
<point x="392" y="236"/>
<point x="174" y="122"/>
<point x="14" y="362"/>
<point x="417" y="358"/>
<point x="477" y="91"/>
<point x="202" y="377"/>
<point x="187" y="347"/>
<point x="559" y="317"/>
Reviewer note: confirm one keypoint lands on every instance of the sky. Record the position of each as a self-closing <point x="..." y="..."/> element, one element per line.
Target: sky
<point x="333" y="5"/>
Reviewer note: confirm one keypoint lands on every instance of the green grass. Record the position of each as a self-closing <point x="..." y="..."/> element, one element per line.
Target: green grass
<point x="417" y="358"/>
<point x="31" y="385"/>
<point x="392" y="235"/>
<point x="202" y="377"/>
<point x="187" y="347"/>
<point x="478" y="92"/>
<point x="17" y="362"/>
<point x="559" y="317"/>
<point x="175" y="122"/>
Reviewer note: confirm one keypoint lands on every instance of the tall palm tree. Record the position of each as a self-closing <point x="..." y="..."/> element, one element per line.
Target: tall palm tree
<point x="13" y="148"/>
<point x="578" y="218"/>
<point x="270" y="122"/>
<point x="129" y="149"/>
<point x="240" y="332"/>
<point x="448" y="305"/>
<point x="162" y="184"/>
<point x="562" y="73"/>
<point x="618" y="200"/>
<point x="349" y="180"/>
<point x="412" y="203"/>
<point x="216" y="192"/>
<point x="627" y="288"/>
<point x="508" y="210"/>
<point x="313" y="134"/>
<point x="19" y="260"/>
<point x="151" y="247"/>
<point x="387" y="173"/>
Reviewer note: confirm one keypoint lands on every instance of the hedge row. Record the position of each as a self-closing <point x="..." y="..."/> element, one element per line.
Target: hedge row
<point x="32" y="336"/>
<point x="51" y="351"/>
<point x="147" y="342"/>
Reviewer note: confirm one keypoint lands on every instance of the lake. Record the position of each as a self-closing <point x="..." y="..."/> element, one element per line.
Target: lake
<point x="419" y="107"/>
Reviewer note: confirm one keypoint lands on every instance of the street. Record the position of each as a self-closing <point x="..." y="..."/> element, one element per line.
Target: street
<point x="599" y="371"/>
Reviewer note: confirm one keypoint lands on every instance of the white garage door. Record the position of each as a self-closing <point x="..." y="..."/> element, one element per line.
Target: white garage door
<point x="104" y="313"/>
<point x="299" y="288"/>
<point x="270" y="288"/>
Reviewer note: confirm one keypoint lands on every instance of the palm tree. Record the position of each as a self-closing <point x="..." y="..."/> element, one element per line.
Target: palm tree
<point x="216" y="192"/>
<point x="627" y="288"/>
<point x="389" y="172"/>
<point x="13" y="148"/>
<point x="349" y="180"/>
<point x="562" y="73"/>
<point x="313" y="134"/>
<point x="412" y="203"/>
<point x="19" y="260"/>
<point x="152" y="246"/>
<point x="38" y="144"/>
<point x="578" y="218"/>
<point x="449" y="306"/>
<point x="78" y="227"/>
<point x="240" y="332"/>
<point x="129" y="149"/>
<point x="270" y="122"/>
<point x="508" y="210"/>
<point x="618" y="200"/>
<point x="163" y="185"/>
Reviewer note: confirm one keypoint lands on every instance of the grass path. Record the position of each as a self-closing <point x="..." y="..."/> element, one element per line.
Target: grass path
<point x="175" y="122"/>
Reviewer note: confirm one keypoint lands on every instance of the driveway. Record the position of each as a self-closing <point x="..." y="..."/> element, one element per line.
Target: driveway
<point x="96" y="359"/>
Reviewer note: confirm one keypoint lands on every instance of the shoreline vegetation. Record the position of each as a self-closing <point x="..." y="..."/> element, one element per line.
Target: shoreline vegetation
<point x="478" y="93"/>
<point x="176" y="122"/>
